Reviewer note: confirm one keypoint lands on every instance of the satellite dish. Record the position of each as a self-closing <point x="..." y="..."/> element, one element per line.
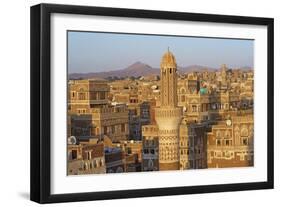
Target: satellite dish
<point x="71" y="140"/>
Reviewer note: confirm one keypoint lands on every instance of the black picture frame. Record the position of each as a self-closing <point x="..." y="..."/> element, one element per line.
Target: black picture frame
<point x="41" y="95"/>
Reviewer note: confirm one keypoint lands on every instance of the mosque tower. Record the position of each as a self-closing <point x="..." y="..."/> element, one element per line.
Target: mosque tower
<point x="168" y="115"/>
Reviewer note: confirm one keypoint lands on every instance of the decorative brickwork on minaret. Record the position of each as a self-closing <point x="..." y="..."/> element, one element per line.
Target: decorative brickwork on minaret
<point x="168" y="116"/>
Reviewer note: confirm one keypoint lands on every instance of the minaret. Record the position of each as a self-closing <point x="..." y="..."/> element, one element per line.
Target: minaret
<point x="223" y="72"/>
<point x="168" y="116"/>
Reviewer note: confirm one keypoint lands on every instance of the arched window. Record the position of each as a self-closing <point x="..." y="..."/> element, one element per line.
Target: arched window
<point x="82" y="96"/>
<point x="183" y="98"/>
<point x="182" y="90"/>
<point x="227" y="134"/>
<point x="218" y="134"/>
<point x="218" y="142"/>
<point x="244" y="141"/>
<point x="244" y="132"/>
<point x="101" y="162"/>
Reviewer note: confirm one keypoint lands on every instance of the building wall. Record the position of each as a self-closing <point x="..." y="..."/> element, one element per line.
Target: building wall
<point x="91" y="114"/>
<point x="85" y="94"/>
<point x="197" y="146"/>
<point x="183" y="147"/>
<point x="114" y="160"/>
<point x="150" y="148"/>
<point x="86" y="158"/>
<point x="232" y="146"/>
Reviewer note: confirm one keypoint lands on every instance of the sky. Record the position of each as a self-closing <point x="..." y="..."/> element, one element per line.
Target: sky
<point x="99" y="52"/>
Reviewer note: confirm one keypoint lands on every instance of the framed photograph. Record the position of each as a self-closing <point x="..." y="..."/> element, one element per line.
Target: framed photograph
<point x="132" y="103"/>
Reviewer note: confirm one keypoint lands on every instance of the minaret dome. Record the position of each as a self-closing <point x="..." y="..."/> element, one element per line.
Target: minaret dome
<point x="168" y="60"/>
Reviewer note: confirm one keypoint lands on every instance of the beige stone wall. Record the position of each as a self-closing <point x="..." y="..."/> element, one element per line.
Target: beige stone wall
<point x="232" y="146"/>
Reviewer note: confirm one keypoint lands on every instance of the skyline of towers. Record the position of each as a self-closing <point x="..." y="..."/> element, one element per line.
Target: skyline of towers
<point x="164" y="123"/>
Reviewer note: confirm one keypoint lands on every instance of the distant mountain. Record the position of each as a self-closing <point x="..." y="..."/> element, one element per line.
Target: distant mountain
<point x="140" y="69"/>
<point x="137" y="69"/>
<point x="194" y="68"/>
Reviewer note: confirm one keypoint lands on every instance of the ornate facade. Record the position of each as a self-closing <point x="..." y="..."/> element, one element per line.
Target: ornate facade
<point x="230" y="143"/>
<point x="86" y="158"/>
<point x="90" y="113"/>
<point x="150" y="148"/>
<point x="193" y="145"/>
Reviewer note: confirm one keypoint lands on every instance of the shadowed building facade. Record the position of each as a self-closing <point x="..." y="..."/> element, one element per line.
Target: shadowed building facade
<point x="86" y="158"/>
<point x="150" y="148"/>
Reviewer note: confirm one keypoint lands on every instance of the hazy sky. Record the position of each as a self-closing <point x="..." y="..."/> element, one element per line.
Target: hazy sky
<point x="96" y="52"/>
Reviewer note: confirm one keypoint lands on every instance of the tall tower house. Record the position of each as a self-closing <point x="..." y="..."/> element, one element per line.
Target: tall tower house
<point x="168" y="116"/>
